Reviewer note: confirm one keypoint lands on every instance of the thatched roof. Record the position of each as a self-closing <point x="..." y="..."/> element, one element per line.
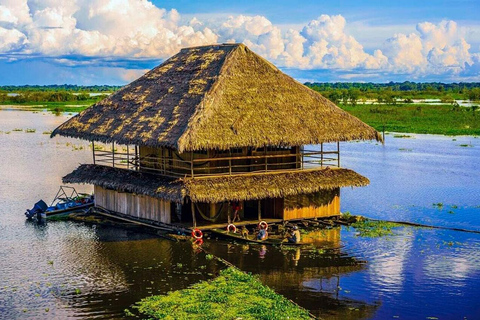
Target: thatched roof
<point x="217" y="189"/>
<point x="217" y="96"/>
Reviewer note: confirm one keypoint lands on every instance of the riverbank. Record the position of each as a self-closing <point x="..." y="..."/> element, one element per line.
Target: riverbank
<point x="419" y="118"/>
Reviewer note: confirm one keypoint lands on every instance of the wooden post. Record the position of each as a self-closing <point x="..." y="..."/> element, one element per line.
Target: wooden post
<point x="193" y="214"/>
<point x="265" y="155"/>
<point x="230" y="161"/>
<point x="301" y="159"/>
<point x="321" y="155"/>
<point x="128" y="158"/>
<point x="164" y="160"/>
<point x="297" y="157"/>
<point x="338" y="153"/>
<point x="93" y="151"/>
<point x="136" y="158"/>
<point x="191" y="163"/>
<point x="259" y="210"/>
<point x="113" y="154"/>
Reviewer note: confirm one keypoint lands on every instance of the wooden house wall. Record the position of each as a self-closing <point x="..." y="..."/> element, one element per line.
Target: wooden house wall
<point x="135" y="205"/>
<point x="314" y="205"/>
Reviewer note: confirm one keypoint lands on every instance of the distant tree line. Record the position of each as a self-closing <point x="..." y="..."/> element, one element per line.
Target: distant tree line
<point x="46" y="96"/>
<point x="61" y="87"/>
<point x="390" y="93"/>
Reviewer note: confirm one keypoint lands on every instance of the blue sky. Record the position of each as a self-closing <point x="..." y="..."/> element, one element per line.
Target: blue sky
<point x="114" y="41"/>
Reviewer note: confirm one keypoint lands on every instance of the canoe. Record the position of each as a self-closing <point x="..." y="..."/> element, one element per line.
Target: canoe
<point x="238" y="237"/>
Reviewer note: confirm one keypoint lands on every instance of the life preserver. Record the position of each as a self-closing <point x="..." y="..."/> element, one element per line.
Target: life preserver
<point x="230" y="227"/>
<point x="198" y="242"/>
<point x="263" y="224"/>
<point x="197" y="233"/>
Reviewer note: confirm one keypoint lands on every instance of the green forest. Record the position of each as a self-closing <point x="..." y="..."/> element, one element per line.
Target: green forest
<point x="393" y="92"/>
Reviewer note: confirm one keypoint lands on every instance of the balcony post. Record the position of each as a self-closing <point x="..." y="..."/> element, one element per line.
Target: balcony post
<point x="265" y="155"/>
<point x="128" y="158"/>
<point x="93" y="151"/>
<point x="230" y="161"/>
<point x="113" y="154"/>
<point x="321" y="155"/>
<point x="191" y="166"/>
<point x="136" y="158"/>
<point x="338" y="154"/>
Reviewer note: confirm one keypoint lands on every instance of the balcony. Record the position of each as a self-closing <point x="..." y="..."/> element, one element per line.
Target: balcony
<point x="190" y="164"/>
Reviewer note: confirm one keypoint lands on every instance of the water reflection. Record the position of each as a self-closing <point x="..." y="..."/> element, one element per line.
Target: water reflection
<point x="309" y="275"/>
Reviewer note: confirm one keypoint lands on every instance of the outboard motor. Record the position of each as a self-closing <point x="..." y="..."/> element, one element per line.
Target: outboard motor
<point x="38" y="209"/>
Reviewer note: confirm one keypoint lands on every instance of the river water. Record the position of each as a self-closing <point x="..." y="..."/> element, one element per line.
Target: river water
<point x="76" y="270"/>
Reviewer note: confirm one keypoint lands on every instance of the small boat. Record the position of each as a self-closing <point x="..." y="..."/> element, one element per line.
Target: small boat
<point x="67" y="200"/>
<point x="237" y="236"/>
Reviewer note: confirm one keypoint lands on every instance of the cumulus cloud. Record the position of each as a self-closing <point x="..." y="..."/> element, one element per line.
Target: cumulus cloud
<point x="434" y="49"/>
<point x="137" y="29"/>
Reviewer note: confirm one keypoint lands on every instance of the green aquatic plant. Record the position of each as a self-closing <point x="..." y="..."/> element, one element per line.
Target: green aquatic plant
<point x="232" y="295"/>
<point x="209" y="257"/>
<point x="346" y="215"/>
<point x="30" y="130"/>
<point x="17" y="129"/>
<point x="374" y="228"/>
<point x="438" y="205"/>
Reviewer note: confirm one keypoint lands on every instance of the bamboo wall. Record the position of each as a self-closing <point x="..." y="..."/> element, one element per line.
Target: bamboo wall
<point x="315" y="205"/>
<point x="135" y="205"/>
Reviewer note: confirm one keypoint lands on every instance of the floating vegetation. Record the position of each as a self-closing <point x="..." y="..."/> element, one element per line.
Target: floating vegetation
<point x="374" y="228"/>
<point x="466" y="145"/>
<point x="30" y="130"/>
<point x="405" y="149"/>
<point x="232" y="295"/>
<point x="47" y="132"/>
<point x="402" y="136"/>
<point x="17" y="129"/>
<point x="209" y="257"/>
<point x="438" y="205"/>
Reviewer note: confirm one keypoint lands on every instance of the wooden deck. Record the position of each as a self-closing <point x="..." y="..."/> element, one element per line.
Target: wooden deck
<point x="204" y="226"/>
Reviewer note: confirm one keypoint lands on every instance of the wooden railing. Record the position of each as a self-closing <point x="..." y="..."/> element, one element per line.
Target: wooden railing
<point x="175" y="166"/>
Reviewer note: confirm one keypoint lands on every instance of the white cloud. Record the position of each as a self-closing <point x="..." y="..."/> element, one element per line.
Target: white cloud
<point x="11" y="40"/>
<point x="137" y="29"/>
<point x="434" y="49"/>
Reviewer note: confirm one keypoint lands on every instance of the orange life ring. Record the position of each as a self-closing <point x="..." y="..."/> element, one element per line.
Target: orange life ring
<point x="263" y="224"/>
<point x="229" y="227"/>
<point x="197" y="233"/>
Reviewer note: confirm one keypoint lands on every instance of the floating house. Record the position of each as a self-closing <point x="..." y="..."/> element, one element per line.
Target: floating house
<point x="211" y="128"/>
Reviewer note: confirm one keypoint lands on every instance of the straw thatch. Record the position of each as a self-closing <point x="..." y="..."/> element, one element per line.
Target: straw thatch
<point x="217" y="189"/>
<point x="217" y="96"/>
<point x="128" y="181"/>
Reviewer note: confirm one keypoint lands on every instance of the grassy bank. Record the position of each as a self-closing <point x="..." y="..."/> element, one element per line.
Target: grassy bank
<point x="54" y="107"/>
<point x="232" y="295"/>
<point x="419" y="118"/>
